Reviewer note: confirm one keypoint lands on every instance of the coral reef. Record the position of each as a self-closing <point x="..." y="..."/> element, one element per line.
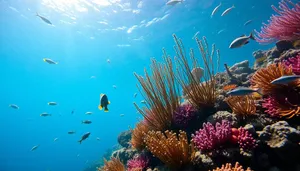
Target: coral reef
<point x="294" y="63"/>
<point x="137" y="163"/>
<point x="124" y="138"/>
<point x="242" y="105"/>
<point x="137" y="140"/>
<point x="113" y="165"/>
<point x="228" y="167"/>
<point x="183" y="115"/>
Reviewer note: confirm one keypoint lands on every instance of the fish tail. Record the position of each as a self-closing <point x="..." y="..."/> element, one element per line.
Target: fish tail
<point x="251" y="36"/>
<point x="259" y="91"/>
<point x="80" y="141"/>
<point x="37" y="14"/>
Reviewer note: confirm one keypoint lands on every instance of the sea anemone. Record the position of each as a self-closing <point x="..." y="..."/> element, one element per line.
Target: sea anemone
<point x="113" y="165"/>
<point x="175" y="151"/>
<point x="228" y="167"/>
<point x="242" y="105"/>
<point x="137" y="164"/>
<point x="294" y="63"/>
<point x="183" y="115"/>
<point x="284" y="26"/>
<point x="137" y="139"/>
<point x="210" y="137"/>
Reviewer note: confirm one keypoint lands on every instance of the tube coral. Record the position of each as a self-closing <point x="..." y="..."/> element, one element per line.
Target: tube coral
<point x="262" y="78"/>
<point x="137" y="139"/>
<point x="228" y="167"/>
<point x="209" y="137"/>
<point x="113" y="165"/>
<point x="242" y="105"/>
<point x="294" y="63"/>
<point x="284" y="26"/>
<point x="173" y="150"/>
<point x="183" y="115"/>
<point x="200" y="94"/>
<point x="137" y="164"/>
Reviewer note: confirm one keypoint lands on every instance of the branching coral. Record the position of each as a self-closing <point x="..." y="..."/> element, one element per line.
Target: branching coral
<point x="294" y="63"/>
<point x="202" y="94"/>
<point x="284" y="26"/>
<point x="183" y="115"/>
<point x="137" y="164"/>
<point x="161" y="94"/>
<point x="211" y="137"/>
<point x="242" y="105"/>
<point x="137" y="139"/>
<point x="246" y="140"/>
<point x="113" y="165"/>
<point x="262" y="78"/>
<point x="175" y="151"/>
<point x="228" y="167"/>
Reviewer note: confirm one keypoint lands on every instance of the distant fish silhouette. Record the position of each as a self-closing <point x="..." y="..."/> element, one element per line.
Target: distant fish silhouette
<point x="44" y="19"/>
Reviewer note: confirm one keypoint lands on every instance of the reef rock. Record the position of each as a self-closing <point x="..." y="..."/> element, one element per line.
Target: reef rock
<point x="284" y="45"/>
<point x="283" y="139"/>
<point x="124" y="138"/>
<point x="223" y="115"/>
<point x="124" y="154"/>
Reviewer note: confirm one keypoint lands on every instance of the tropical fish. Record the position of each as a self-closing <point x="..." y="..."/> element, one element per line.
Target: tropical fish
<point x="49" y="61"/>
<point x="85" y="136"/>
<point x="286" y="79"/>
<point x="241" y="41"/>
<point x="173" y="2"/>
<point x="14" y="106"/>
<point x="86" y="122"/>
<point x="52" y="103"/>
<point x="215" y="10"/>
<point x="197" y="73"/>
<point x="103" y="102"/>
<point x="143" y="101"/>
<point x="45" y="114"/>
<point x="44" y="19"/>
<point x="88" y="113"/>
<point x="242" y="91"/>
<point x="261" y="59"/>
<point x="34" y="147"/>
<point x="248" y="22"/>
<point x="227" y="10"/>
<point x="196" y="34"/>
<point x="122" y="115"/>
<point x="71" y="132"/>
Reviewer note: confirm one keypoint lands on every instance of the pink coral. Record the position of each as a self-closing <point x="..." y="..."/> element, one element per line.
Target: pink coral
<point x="210" y="137"/>
<point x="183" y="115"/>
<point x="271" y="105"/>
<point x="294" y="63"/>
<point x="245" y="140"/>
<point x="284" y="26"/>
<point x="137" y="163"/>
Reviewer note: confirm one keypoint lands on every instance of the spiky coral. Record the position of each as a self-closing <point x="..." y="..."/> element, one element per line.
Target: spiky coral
<point x="113" y="165"/>
<point x="202" y="94"/>
<point x="137" y="164"/>
<point x="242" y="105"/>
<point x="137" y="139"/>
<point x="246" y="140"/>
<point x="161" y="94"/>
<point x="228" y="167"/>
<point x="284" y="26"/>
<point x="294" y="63"/>
<point x="262" y="78"/>
<point x="209" y="137"/>
<point x="175" y="151"/>
<point x="183" y="115"/>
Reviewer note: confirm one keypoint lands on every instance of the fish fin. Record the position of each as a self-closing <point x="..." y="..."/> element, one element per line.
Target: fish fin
<point x="246" y="42"/>
<point x="233" y="6"/>
<point x="80" y="141"/>
<point x="101" y="95"/>
<point x="251" y="36"/>
<point x="259" y="91"/>
<point x="44" y="59"/>
<point x="108" y="102"/>
<point x="105" y="109"/>
<point x="100" y="107"/>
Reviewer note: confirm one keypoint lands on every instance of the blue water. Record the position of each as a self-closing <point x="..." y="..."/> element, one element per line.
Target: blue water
<point x="83" y="36"/>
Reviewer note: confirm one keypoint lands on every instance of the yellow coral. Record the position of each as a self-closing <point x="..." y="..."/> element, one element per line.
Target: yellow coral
<point x="137" y="139"/>
<point x="228" y="167"/>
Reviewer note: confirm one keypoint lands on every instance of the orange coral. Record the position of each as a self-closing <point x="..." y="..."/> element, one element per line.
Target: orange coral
<point x="229" y="87"/>
<point x="242" y="105"/>
<point x="228" y="167"/>
<point x="263" y="77"/>
<point x="173" y="150"/>
<point x="137" y="139"/>
<point x="113" y="165"/>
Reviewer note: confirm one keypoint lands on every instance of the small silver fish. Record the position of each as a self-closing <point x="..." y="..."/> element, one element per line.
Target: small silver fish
<point x="98" y="138"/>
<point x="241" y="41"/>
<point x="71" y="132"/>
<point x="122" y="115"/>
<point x="286" y="79"/>
<point x="34" y="147"/>
<point x="173" y="2"/>
<point x="88" y="113"/>
<point x="14" y="106"/>
<point x="143" y="101"/>
<point x="44" y="19"/>
<point x="227" y="10"/>
<point x="86" y="122"/>
<point x="55" y="139"/>
<point x="85" y="136"/>
<point x="52" y="103"/>
<point x="215" y="10"/>
<point x="45" y="114"/>
<point x="248" y="22"/>
<point x="49" y="61"/>
<point x="114" y="86"/>
<point x="242" y="91"/>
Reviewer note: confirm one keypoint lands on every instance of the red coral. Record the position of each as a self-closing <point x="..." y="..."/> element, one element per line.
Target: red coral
<point x="294" y="63"/>
<point x="284" y="26"/>
<point x="137" y="163"/>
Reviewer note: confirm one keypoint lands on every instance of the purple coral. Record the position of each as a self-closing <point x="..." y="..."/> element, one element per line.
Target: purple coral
<point x="210" y="137"/>
<point x="245" y="140"/>
<point x="271" y="105"/>
<point x="139" y="163"/>
<point x="294" y="63"/>
<point x="183" y="115"/>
